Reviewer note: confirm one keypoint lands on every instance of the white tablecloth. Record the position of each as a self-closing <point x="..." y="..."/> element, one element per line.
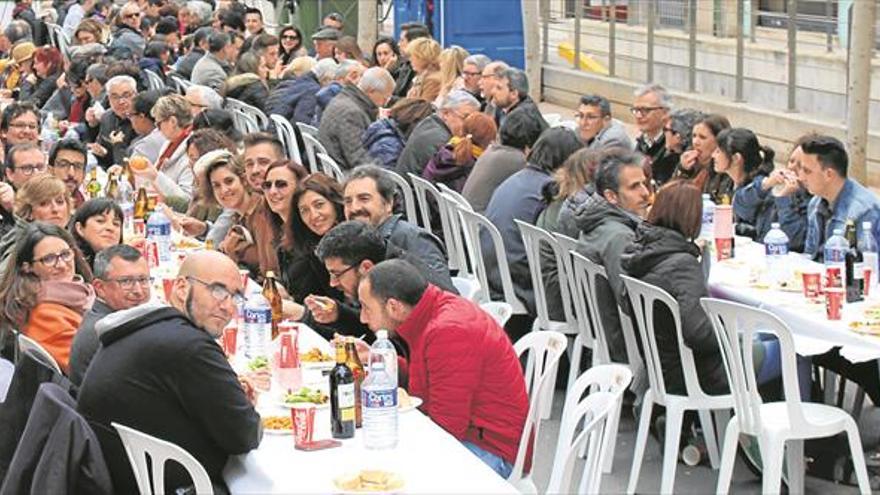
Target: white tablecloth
<point x="813" y="332"/>
<point x="427" y="457"/>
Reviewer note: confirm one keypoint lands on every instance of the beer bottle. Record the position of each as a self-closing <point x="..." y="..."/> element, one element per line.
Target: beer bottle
<point x="342" y="397"/>
<point x="141" y="204"/>
<point x="271" y="293"/>
<point x="855" y="272"/>
<point x="357" y="369"/>
<point x="93" y="188"/>
<point x="209" y="244"/>
<point x="111" y="190"/>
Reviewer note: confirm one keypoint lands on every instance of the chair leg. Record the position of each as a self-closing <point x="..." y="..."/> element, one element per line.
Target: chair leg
<point x="710" y="437"/>
<point x="794" y="460"/>
<point x="611" y="436"/>
<point x="728" y="456"/>
<point x="575" y="368"/>
<point x="858" y="404"/>
<point x="547" y="410"/>
<point x="772" y="451"/>
<point x="674" y="418"/>
<point x="641" y="440"/>
<point x="855" y="447"/>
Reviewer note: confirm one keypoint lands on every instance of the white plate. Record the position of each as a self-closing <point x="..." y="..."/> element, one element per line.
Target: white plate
<point x="414" y="402"/>
<point x="279" y="433"/>
<point x="285" y="405"/>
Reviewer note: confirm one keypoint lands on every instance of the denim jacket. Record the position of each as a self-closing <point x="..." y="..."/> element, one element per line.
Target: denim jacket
<point x="854" y="202"/>
<point x="759" y="208"/>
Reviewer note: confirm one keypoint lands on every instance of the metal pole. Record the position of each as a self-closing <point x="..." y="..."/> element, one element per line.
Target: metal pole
<point x="829" y="26"/>
<point x="531" y="34"/>
<point x="545" y="17"/>
<point x="578" y="13"/>
<point x="792" y="55"/>
<point x="612" y="36"/>
<point x="740" y="11"/>
<point x="692" y="46"/>
<point x="753" y="20"/>
<point x="864" y="14"/>
<point x="650" y="72"/>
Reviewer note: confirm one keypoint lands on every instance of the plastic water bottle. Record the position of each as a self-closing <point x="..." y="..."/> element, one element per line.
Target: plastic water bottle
<point x="836" y="248"/>
<point x="707" y="230"/>
<point x="159" y="230"/>
<point x="868" y="246"/>
<point x="776" y="250"/>
<point x="48" y="134"/>
<point x="257" y="326"/>
<point x="125" y="193"/>
<point x="379" y="395"/>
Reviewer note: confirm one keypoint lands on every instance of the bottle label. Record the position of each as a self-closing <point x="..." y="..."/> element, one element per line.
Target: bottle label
<point x="773" y="248"/>
<point x="160" y="229"/>
<point x="379" y="398"/>
<point x="835" y="255"/>
<point x="345" y="398"/>
<point x="257" y="315"/>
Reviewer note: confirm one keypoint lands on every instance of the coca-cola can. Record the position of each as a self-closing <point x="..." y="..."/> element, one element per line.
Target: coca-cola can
<point x="140" y="227"/>
<point x="151" y="253"/>
<point x="834" y="297"/>
<point x="833" y="276"/>
<point x="230" y="339"/>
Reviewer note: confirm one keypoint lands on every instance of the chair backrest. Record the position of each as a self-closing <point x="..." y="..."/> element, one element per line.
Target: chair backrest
<point x="543" y="350"/>
<point x="450" y="202"/>
<point x="424" y="188"/>
<point x="237" y="105"/>
<point x="307" y="129"/>
<point x="32" y="347"/>
<point x="244" y="122"/>
<point x="645" y="299"/>
<point x="330" y="168"/>
<point x="287" y="136"/>
<point x="409" y="201"/>
<point x="182" y="84"/>
<point x="59" y="39"/>
<point x="501" y="311"/>
<point x="467" y="288"/>
<point x="473" y="223"/>
<point x="154" y="82"/>
<point x="533" y="239"/>
<point x="139" y="445"/>
<point x="313" y="148"/>
<point x="735" y="324"/>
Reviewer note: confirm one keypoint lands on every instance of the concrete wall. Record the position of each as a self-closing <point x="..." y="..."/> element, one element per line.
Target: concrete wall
<point x="776" y="129"/>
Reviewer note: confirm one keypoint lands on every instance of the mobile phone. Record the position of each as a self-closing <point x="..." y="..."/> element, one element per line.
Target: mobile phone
<point x="319" y="445"/>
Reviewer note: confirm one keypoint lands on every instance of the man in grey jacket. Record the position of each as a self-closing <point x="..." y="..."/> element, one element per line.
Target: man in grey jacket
<point x="212" y="69"/>
<point x="607" y="221"/>
<point x="596" y="126"/>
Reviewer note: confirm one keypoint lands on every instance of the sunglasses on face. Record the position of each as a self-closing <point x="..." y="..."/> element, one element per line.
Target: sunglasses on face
<point x="279" y="184"/>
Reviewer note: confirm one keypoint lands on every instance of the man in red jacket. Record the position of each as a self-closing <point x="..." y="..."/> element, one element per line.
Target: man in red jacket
<point x="461" y="362"/>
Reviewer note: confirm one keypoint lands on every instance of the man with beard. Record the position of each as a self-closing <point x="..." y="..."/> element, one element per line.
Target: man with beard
<point x="260" y="151"/>
<point x="67" y="161"/>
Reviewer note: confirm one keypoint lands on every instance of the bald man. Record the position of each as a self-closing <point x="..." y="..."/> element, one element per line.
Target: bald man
<point x="161" y="371"/>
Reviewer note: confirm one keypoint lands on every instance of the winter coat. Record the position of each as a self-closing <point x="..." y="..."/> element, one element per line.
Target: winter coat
<point x="528" y="106"/>
<point x="153" y="64"/>
<point x="295" y="99"/>
<point x="344" y="121"/>
<point x="40" y="91"/>
<point x="247" y="88"/>
<point x="151" y="147"/>
<point x="58" y="452"/>
<point x="549" y="221"/>
<point x="116" y="150"/>
<point x="260" y="255"/>
<point x="324" y="96"/>
<point x="384" y="142"/>
<point x="661" y="161"/>
<point x="185" y="65"/>
<point x="426" y="138"/>
<point x="419" y="243"/>
<point x="518" y="198"/>
<point x="85" y="342"/>
<point x="605" y="230"/>
<point x="210" y="71"/>
<point x="443" y="169"/>
<point x="491" y="169"/>
<point x="57" y="315"/>
<point x="612" y="136"/>
<point x="464" y="368"/>
<point x="664" y="258"/>
<point x="426" y="86"/>
<point x="303" y="274"/>
<point x="160" y="374"/>
<point x="403" y="80"/>
<point x="176" y="175"/>
<point x="129" y="40"/>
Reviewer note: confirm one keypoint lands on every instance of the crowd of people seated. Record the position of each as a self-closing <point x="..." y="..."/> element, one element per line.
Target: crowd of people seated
<point x="347" y="259"/>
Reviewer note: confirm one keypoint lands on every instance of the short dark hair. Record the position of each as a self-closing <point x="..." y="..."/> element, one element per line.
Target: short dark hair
<point x="829" y="151"/>
<point x="384" y="183"/>
<point x="252" y="10"/>
<point x="17" y="30"/>
<point x="263" y="41"/>
<point x="352" y="241"/>
<point x="517" y="81"/>
<point x="218" y="41"/>
<point x="232" y="19"/>
<point x="219" y="119"/>
<point x="397" y="279"/>
<point x="166" y="25"/>
<point x="18" y="148"/>
<point x="106" y="256"/>
<point x="155" y="49"/>
<point x="15" y="110"/>
<point x="597" y="101"/>
<point x="201" y="35"/>
<point x="612" y="161"/>
<point x="72" y="144"/>
<point x="554" y="146"/>
<point x="520" y="130"/>
<point x="416" y="32"/>
<point x="89" y="209"/>
<point x="258" y="138"/>
<point x="206" y="140"/>
<point x="144" y="102"/>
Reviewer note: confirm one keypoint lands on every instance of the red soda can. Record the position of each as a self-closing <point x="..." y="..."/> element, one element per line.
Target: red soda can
<point x="834" y="297"/>
<point x="151" y="253"/>
<point x="833" y="276"/>
<point x="724" y="248"/>
<point x="230" y="339"/>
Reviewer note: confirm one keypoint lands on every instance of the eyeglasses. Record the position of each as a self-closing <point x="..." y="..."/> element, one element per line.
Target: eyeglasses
<point x="642" y="111"/>
<point x="133" y="14"/>
<point x="337" y="276"/>
<point x="670" y="130"/>
<point x="23" y="125"/>
<point x="219" y="291"/>
<point x="587" y="116"/>
<point x="124" y="96"/>
<point x="128" y="283"/>
<point x="30" y="169"/>
<point x="65" y="256"/>
<point x="65" y="164"/>
<point x="472" y="74"/>
<point x="279" y="184"/>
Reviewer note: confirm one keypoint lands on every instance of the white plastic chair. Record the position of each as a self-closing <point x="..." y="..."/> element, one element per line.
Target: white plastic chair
<point x="330" y="168"/>
<point x="501" y="311"/>
<point x="776" y="423"/>
<point x="467" y="288"/>
<point x="473" y="222"/>
<point x="644" y="298"/>
<point x="234" y="105"/>
<point x="424" y="188"/>
<point x="287" y="135"/>
<point x="586" y="336"/>
<point x="608" y="381"/>
<point x="27" y="345"/>
<point x="543" y="351"/>
<point x="182" y="84"/>
<point x="313" y="148"/>
<point x="244" y="122"/>
<point x="307" y="129"/>
<point x="139" y="445"/>
<point x="59" y="39"/>
<point x="451" y="203"/>
<point x="409" y="202"/>
<point x="154" y="82"/>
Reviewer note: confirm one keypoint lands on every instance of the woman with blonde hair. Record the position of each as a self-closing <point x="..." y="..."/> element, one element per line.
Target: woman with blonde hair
<point x="424" y="55"/>
<point x="452" y="163"/>
<point x="451" y="67"/>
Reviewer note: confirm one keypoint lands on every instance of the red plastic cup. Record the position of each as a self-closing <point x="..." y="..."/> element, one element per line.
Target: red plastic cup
<point x="303" y="419"/>
<point x="834" y="302"/>
<point x="245" y="276"/>
<point x="869" y="275"/>
<point x="140" y="227"/>
<point x="151" y="253"/>
<point x="230" y="340"/>
<point x="833" y="277"/>
<point x="812" y="284"/>
<point x="723" y="248"/>
<point x="168" y="287"/>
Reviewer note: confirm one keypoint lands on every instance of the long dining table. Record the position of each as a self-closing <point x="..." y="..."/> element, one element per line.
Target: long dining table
<point x="427" y="458"/>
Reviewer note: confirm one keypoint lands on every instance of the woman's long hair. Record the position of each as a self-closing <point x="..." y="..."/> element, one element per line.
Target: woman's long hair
<point x="480" y="131"/>
<point x="757" y="159"/>
<point x="89" y="209"/>
<point x="299" y="237"/>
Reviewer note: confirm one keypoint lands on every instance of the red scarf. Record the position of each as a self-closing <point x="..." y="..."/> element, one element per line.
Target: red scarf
<point x="172" y="147"/>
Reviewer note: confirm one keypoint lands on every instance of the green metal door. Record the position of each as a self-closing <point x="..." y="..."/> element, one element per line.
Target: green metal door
<point x="311" y="12"/>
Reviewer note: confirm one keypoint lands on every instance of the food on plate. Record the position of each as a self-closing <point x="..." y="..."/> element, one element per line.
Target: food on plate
<point x="865" y="327"/>
<point x="187" y="243"/>
<point x="403" y="398"/>
<point x="873" y="313"/>
<point x="306" y="395"/>
<point x="278" y="423"/>
<point x="369" y="480"/>
<point x="258" y="363"/>
<point x="315" y="355"/>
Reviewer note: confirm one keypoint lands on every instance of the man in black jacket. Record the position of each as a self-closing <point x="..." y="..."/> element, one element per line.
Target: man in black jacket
<point x="160" y="371"/>
<point x="651" y="111"/>
<point x="512" y="95"/>
<point x="185" y="65"/>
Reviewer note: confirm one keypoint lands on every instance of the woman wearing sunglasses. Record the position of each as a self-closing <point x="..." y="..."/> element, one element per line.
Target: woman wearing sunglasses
<point x="45" y="290"/>
<point x="290" y="45"/>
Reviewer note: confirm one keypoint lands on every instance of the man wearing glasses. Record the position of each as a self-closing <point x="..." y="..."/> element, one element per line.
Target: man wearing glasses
<point x="20" y="124"/>
<point x="651" y="111"/>
<point x="597" y="128"/>
<point x="115" y="133"/>
<point x="22" y="162"/>
<point x="122" y="280"/>
<point x="472" y="73"/>
<point x="128" y="31"/>
<point x="160" y="369"/>
<point x="67" y="161"/>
